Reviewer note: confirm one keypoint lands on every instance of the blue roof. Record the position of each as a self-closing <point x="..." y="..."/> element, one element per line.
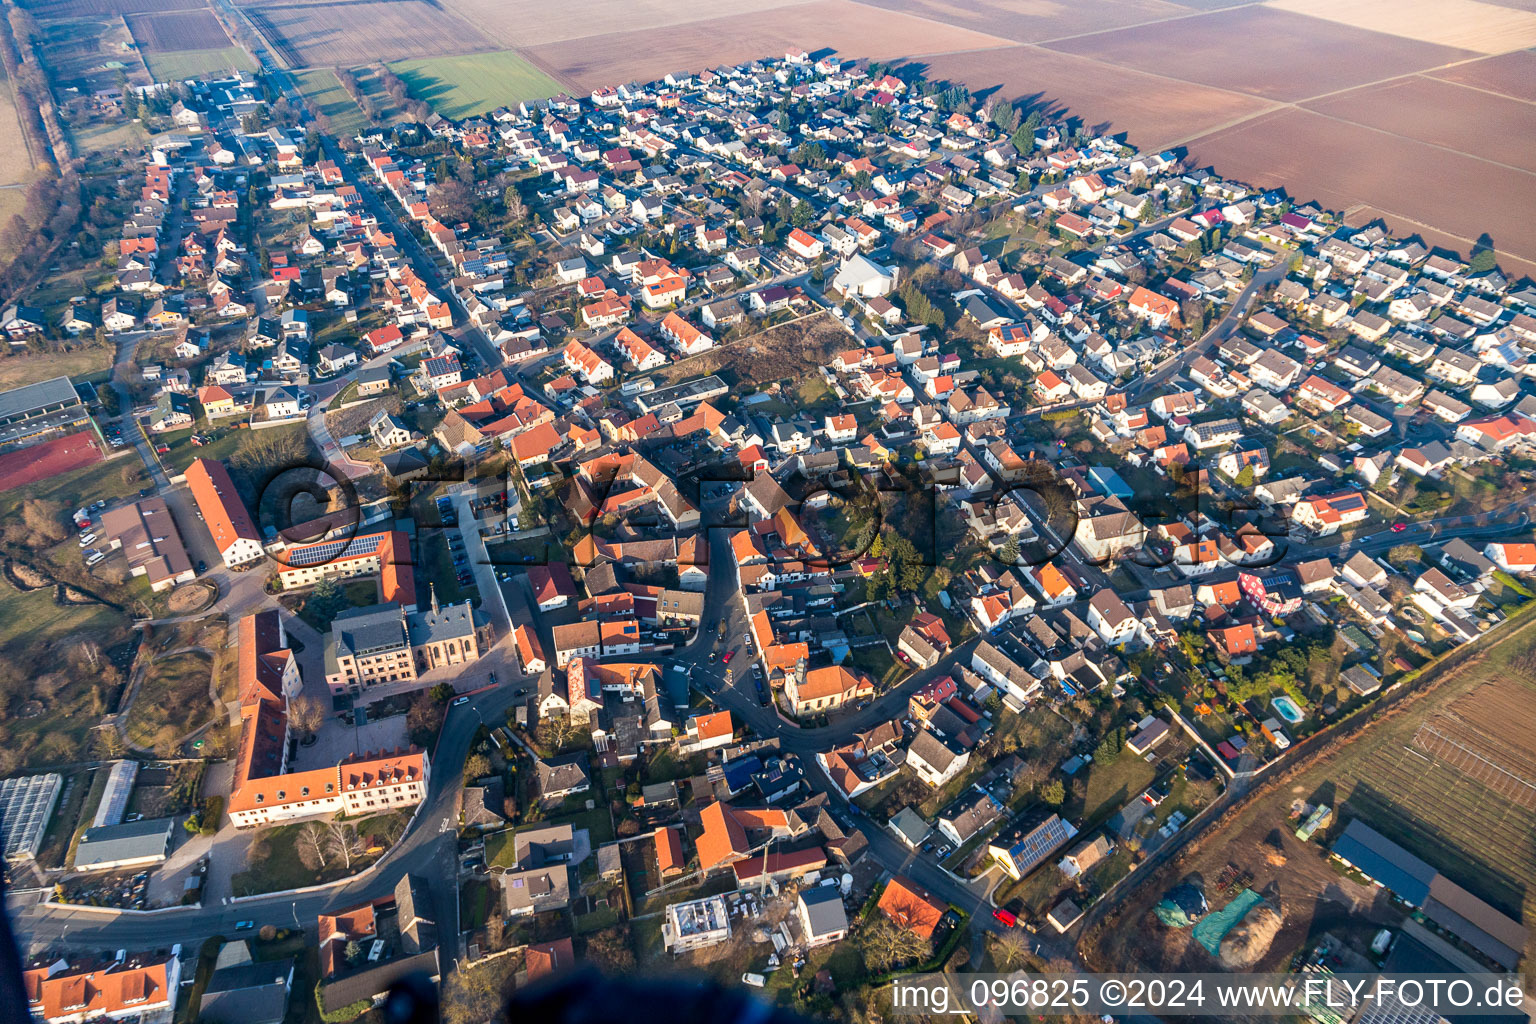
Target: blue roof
<point x="1383" y="860"/>
<point x="1110" y="482"/>
<point x="738" y="773"/>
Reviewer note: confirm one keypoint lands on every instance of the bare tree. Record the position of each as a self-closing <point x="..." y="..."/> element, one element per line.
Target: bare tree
<point x="344" y="843"/>
<point x="306" y="714"/>
<point x="495" y="930"/>
<point x="560" y="729"/>
<point x="311" y="844"/>
<point x="1011" y="949"/>
<point x="887" y="945"/>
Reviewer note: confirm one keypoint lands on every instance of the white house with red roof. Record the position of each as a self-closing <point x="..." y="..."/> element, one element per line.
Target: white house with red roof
<point x="804" y="244"/>
<point x="1327" y="514"/>
<point x="1157" y="310"/>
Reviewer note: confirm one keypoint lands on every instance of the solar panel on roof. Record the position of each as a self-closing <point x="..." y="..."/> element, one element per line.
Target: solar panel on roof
<point x="332" y="550"/>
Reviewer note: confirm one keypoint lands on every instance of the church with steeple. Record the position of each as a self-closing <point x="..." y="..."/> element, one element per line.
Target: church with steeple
<point x="390" y="643"/>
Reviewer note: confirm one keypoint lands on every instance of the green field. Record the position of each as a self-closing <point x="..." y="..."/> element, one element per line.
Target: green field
<point x="368" y="80"/>
<point x="326" y="96"/>
<point x="460" y="86"/>
<point x="177" y="65"/>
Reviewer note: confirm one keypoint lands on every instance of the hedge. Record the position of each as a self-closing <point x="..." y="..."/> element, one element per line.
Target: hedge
<point x="351" y="1011"/>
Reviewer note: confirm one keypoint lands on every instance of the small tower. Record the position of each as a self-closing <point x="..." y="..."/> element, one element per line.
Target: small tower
<point x="432" y="590"/>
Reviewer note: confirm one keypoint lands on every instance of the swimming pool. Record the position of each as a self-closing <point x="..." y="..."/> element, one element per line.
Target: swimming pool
<point x="1286" y="709"/>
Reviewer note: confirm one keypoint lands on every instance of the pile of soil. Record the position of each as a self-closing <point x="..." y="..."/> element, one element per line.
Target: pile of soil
<point x="69" y="595"/>
<point x="25" y="578"/>
<point x="1250" y="938"/>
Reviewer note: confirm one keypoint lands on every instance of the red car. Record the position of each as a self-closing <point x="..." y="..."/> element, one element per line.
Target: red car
<point x="1006" y="917"/>
<point x="1399" y="527"/>
<point x="728" y="656"/>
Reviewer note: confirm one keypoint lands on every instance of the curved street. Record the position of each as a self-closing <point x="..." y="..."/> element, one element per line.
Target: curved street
<point x="429" y="845"/>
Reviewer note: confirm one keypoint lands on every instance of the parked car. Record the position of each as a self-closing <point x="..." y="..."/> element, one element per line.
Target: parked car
<point x="459" y="700"/>
<point x="1005" y="917"/>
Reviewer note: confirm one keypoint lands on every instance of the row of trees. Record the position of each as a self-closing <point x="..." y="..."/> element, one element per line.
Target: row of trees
<point x="400" y="95"/>
<point x="364" y="102"/>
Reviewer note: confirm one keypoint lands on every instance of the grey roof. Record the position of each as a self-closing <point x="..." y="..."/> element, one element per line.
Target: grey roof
<point x="134" y="840"/>
<point x="377" y="627"/>
<point x="374" y="980"/>
<point x="933" y="749"/>
<point x="415" y="913"/>
<point x="250" y="993"/>
<point x="29" y="398"/>
<point x="450" y="622"/>
<point x="563" y="774"/>
<point x="546" y="888"/>
<point x="1386" y="862"/>
<point x="824" y="910"/>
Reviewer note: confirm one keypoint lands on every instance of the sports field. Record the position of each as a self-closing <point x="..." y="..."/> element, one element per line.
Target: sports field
<point x="461" y="86"/>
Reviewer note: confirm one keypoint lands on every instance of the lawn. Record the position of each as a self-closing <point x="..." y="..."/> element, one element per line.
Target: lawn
<point x="109" y="140"/>
<point x="280" y="869"/>
<point x="457" y="87"/>
<point x="56" y="728"/>
<point x="500" y="850"/>
<point x="320" y="611"/>
<point x="29" y="368"/>
<point x="474" y="903"/>
<point x="1110" y="786"/>
<point x="171" y="702"/>
<point x="114" y="478"/>
<point x="179" y="65"/>
<point x="326" y="96"/>
<point x="226" y="440"/>
<point x="61" y="828"/>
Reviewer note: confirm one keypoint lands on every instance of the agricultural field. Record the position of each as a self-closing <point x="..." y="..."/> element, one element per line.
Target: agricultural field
<point x="1033" y="21"/>
<point x="110" y="8"/>
<point x="17" y="370"/>
<point x="1442" y="114"/>
<point x="1413" y="184"/>
<point x="850" y="28"/>
<point x="1300" y="56"/>
<point x="1451" y="775"/>
<point x="1511" y="74"/>
<point x="535" y="22"/>
<point x="461" y="86"/>
<point x="1152" y="110"/>
<point x="330" y="35"/>
<point x="1471" y="24"/>
<point x="325" y="94"/>
<point x="184" y="30"/>
<point x="178" y="65"/>
<point x="16" y="161"/>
